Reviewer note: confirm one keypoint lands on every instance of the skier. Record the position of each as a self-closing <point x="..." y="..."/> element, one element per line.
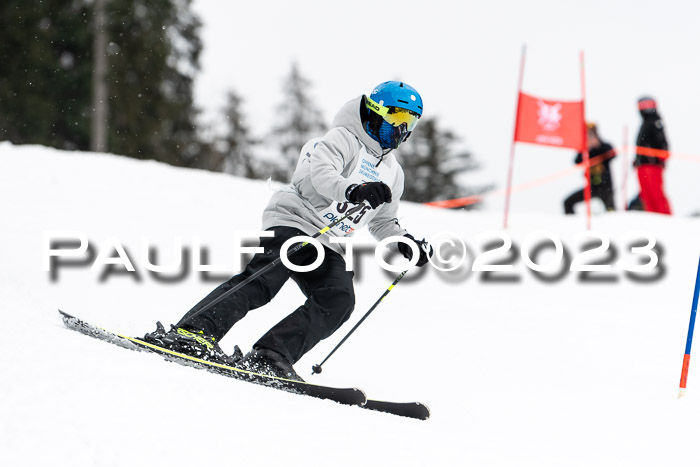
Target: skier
<point x="353" y="163"/>
<point x="652" y="151"/>
<point x="601" y="179"/>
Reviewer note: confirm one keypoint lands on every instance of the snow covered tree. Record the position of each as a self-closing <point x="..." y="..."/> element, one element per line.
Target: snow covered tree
<point x="432" y="166"/>
<point x="299" y="120"/>
<point x="238" y="143"/>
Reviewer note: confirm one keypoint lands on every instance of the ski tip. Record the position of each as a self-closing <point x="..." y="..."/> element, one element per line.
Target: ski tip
<point x="426" y="409"/>
<point x="63" y="313"/>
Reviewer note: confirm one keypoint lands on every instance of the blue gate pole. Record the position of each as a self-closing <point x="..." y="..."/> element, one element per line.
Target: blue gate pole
<point x="689" y="341"/>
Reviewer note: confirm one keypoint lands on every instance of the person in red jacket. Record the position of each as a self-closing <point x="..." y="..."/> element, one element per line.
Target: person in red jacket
<point x="652" y="152"/>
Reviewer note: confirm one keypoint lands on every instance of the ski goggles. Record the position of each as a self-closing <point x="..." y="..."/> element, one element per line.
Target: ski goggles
<point x="396" y="116"/>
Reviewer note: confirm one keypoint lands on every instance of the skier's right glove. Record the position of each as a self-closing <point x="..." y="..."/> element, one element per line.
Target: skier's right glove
<point x="375" y="193"/>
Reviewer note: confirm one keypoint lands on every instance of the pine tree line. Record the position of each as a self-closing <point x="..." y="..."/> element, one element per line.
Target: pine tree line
<point x="144" y="57"/>
<point x="152" y="55"/>
<point x="431" y="164"/>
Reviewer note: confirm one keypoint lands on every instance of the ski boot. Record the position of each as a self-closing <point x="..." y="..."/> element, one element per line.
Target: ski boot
<point x="270" y="363"/>
<point x="192" y="342"/>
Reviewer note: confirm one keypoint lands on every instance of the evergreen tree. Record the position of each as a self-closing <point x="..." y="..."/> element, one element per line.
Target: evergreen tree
<point x="299" y="120"/>
<point x="153" y="55"/>
<point x="432" y="166"/>
<point x="45" y="58"/>
<point x="238" y="143"/>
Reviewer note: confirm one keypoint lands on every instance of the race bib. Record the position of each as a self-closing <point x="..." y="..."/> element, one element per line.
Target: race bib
<point x="365" y="171"/>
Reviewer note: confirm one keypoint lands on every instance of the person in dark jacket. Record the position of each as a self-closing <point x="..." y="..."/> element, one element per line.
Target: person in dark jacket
<point x="600" y="153"/>
<point x="652" y="151"/>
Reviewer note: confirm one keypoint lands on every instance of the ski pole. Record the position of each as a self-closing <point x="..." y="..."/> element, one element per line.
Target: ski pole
<point x="689" y="340"/>
<point x="276" y="261"/>
<point x="318" y="368"/>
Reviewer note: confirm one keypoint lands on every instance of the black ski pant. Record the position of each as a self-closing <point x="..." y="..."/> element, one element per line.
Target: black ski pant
<point x="602" y="191"/>
<point x="330" y="298"/>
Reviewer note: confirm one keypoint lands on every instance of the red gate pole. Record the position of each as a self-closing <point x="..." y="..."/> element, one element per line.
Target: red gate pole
<point x="515" y="132"/>
<point x="625" y="167"/>
<point x="586" y="159"/>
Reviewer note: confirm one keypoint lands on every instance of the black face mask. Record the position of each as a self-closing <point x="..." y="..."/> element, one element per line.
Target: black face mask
<point x="649" y="114"/>
<point x="388" y="136"/>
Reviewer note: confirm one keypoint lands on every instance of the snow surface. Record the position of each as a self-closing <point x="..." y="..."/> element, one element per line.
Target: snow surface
<point x="528" y="373"/>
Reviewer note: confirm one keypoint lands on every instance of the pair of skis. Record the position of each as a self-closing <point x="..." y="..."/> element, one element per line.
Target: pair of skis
<point x="347" y="396"/>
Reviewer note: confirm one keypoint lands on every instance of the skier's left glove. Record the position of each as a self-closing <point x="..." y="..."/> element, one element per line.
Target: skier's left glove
<point x="425" y="249"/>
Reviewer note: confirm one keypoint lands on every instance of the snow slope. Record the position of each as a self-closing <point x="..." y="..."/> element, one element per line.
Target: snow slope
<point x="566" y="372"/>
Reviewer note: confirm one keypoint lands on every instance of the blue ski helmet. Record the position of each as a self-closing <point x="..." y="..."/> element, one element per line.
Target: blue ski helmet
<point x="395" y="108"/>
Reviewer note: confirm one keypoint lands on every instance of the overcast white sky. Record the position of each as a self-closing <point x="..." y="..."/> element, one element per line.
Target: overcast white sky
<point x="463" y="57"/>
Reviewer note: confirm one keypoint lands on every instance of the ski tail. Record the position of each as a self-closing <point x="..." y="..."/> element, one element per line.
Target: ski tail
<point x="415" y="410"/>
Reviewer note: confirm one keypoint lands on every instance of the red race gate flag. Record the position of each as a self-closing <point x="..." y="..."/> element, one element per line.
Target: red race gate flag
<point x="552" y="123"/>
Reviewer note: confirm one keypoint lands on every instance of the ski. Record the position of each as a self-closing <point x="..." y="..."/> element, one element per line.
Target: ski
<point x="347" y="396"/>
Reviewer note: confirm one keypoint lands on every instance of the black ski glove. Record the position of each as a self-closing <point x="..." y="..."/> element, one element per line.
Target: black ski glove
<point x="375" y="193"/>
<point x="423" y="245"/>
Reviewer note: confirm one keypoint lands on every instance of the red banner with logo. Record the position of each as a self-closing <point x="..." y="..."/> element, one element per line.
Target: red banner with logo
<point x="551" y="123"/>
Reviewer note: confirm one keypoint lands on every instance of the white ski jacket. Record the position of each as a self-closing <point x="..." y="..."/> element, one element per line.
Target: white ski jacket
<point x="327" y="166"/>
